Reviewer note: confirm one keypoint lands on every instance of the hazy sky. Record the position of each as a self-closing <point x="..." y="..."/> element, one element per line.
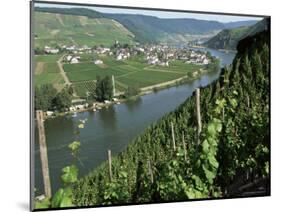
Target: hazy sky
<point x="159" y="14"/>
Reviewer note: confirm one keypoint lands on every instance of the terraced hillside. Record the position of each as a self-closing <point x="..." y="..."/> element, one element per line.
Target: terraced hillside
<point x="54" y="29"/>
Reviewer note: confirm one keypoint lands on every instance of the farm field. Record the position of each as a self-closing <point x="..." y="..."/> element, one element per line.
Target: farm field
<point x="131" y="72"/>
<point x="47" y="71"/>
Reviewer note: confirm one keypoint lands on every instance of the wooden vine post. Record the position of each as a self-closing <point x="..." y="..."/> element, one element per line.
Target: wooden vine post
<point x="43" y="153"/>
<point x="184" y="147"/>
<point x="109" y="164"/>
<point x="173" y="136"/>
<point x="198" y="114"/>
<point x="150" y="170"/>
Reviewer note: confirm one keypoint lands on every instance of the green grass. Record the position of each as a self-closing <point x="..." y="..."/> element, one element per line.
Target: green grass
<point x="148" y="78"/>
<point x="90" y="71"/>
<point x="132" y="72"/>
<point x="51" y="68"/>
<point x="47" y="58"/>
<point x="49" y="72"/>
<point x="48" y="78"/>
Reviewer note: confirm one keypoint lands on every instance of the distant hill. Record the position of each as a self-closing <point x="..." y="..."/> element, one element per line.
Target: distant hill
<point x="235" y="24"/>
<point x="71" y="11"/>
<point x="229" y="38"/>
<point x="126" y="27"/>
<point x="151" y="29"/>
<point x="65" y="29"/>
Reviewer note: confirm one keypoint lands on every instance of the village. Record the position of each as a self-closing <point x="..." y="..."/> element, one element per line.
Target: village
<point x="151" y="54"/>
<point x="160" y="55"/>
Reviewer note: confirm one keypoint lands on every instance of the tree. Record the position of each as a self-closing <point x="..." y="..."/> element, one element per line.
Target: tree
<point x="107" y="88"/>
<point x="63" y="100"/>
<point x="44" y="97"/>
<point x="104" y="89"/>
<point x="132" y="91"/>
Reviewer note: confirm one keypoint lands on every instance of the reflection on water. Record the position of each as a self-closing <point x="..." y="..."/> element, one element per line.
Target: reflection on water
<point x="133" y="104"/>
<point x="108" y="117"/>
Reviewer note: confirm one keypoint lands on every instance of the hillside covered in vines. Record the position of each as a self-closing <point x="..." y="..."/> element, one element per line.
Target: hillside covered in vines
<point x="232" y="151"/>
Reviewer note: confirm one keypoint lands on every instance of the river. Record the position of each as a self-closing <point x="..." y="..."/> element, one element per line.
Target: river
<point x="111" y="128"/>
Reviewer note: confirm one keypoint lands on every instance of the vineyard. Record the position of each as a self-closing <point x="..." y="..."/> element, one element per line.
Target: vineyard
<point x="84" y="88"/>
<point x="129" y="73"/>
<point x="174" y="160"/>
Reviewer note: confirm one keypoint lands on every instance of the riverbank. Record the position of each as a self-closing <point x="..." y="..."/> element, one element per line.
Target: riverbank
<point x="143" y="91"/>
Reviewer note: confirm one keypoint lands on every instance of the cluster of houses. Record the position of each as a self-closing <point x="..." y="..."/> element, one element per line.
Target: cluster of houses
<point x="73" y="59"/>
<point x="154" y="54"/>
<point x="50" y="50"/>
<point x="77" y="50"/>
<point x="195" y="57"/>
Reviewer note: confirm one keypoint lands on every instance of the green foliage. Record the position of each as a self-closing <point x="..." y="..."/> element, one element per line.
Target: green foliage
<point x="47" y="98"/>
<point x="62" y="198"/>
<point x="74" y="147"/>
<point x="104" y="89"/>
<point x="70" y="174"/>
<point x="235" y="138"/>
<point x="45" y="203"/>
<point x="229" y="38"/>
<point x="63" y="99"/>
<point x="132" y="91"/>
<point x="116" y="192"/>
<point x="44" y="97"/>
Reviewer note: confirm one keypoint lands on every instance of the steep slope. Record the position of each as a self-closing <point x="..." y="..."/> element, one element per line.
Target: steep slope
<point x="235" y="24"/>
<point x="152" y="29"/>
<point x="141" y="28"/>
<point x="71" y="11"/>
<point x="228" y="38"/>
<point x="234" y="144"/>
<point x="58" y="29"/>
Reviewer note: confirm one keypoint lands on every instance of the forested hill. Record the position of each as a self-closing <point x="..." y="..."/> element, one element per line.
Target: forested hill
<point x="149" y="28"/>
<point x="228" y="38"/>
<point x="233" y="148"/>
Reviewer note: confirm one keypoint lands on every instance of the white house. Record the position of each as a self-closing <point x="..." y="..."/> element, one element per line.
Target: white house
<point x="205" y="61"/>
<point x="119" y="57"/>
<point x="74" y="60"/>
<point x="97" y="62"/>
<point x="68" y="58"/>
<point x="50" y="50"/>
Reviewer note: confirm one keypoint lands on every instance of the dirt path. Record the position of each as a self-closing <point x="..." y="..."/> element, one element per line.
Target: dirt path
<point x="162" y="84"/>
<point x="62" y="72"/>
<point x="161" y="70"/>
<point x="39" y="68"/>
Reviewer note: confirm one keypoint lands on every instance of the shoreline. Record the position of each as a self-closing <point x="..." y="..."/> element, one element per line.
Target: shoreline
<point x="221" y="50"/>
<point x="144" y="91"/>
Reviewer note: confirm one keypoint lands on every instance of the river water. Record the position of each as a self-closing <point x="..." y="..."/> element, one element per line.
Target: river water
<point x="111" y="128"/>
